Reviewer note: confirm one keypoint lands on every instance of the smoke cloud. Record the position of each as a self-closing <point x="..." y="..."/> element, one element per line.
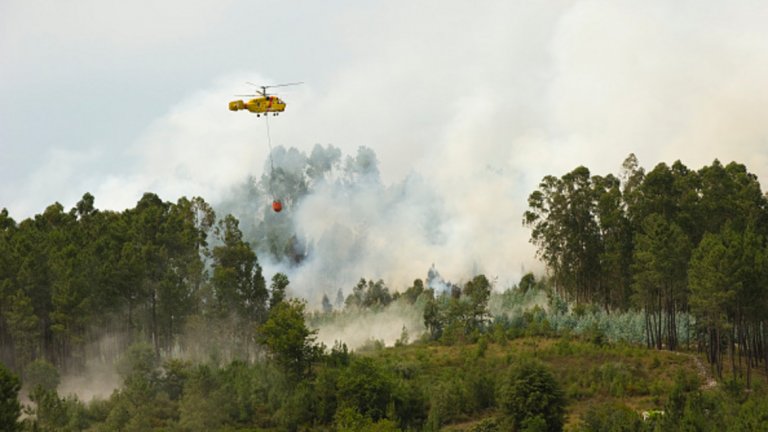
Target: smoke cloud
<point x="358" y="329"/>
<point x="462" y="136"/>
<point x="465" y="111"/>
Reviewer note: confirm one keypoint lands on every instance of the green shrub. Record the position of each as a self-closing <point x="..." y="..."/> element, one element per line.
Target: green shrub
<point x="10" y="409"/>
<point x="447" y="403"/>
<point x="613" y="417"/>
<point x="481" y="390"/>
<point x="55" y="413"/>
<point x="485" y="425"/>
<point x="482" y="346"/>
<point x="529" y="391"/>
<point x="365" y="387"/>
<point x="410" y="406"/>
<point x="752" y="415"/>
<point x="614" y="377"/>
<point x="41" y="373"/>
<point x="596" y="335"/>
<point x="655" y="363"/>
<point x="139" y="361"/>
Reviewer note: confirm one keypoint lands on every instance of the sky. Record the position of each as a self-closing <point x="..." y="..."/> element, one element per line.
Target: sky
<point x="480" y="99"/>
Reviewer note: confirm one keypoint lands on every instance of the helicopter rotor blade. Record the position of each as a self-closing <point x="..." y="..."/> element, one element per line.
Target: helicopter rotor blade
<point x="284" y="85"/>
<point x="263" y="88"/>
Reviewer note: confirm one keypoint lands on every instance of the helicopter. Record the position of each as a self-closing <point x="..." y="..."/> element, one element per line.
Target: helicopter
<point x="262" y="102"/>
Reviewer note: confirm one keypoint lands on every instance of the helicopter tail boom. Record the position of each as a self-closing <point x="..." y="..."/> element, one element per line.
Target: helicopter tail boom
<point x="236" y="105"/>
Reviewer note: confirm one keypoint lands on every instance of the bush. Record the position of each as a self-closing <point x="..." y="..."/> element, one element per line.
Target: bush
<point x="54" y="413"/>
<point x="199" y="408"/>
<point x="41" y="373"/>
<point x="10" y="409"/>
<point x="613" y="376"/>
<point x="480" y="387"/>
<point x="752" y="416"/>
<point x="446" y="404"/>
<point x="596" y="335"/>
<point x="482" y="346"/>
<point x="138" y="362"/>
<point x="613" y="417"/>
<point x="485" y="425"/>
<point x="349" y="420"/>
<point x="529" y="391"/>
<point x="534" y="424"/>
<point x="410" y="406"/>
<point x="364" y="387"/>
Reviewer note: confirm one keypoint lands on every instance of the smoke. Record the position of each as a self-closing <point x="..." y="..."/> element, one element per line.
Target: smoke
<point x="343" y="222"/>
<point x="459" y="138"/>
<point x="98" y="379"/>
<point x="581" y="83"/>
<point x="667" y="81"/>
<point x="357" y="329"/>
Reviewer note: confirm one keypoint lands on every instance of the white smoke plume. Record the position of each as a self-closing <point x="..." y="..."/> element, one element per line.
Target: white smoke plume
<point x="466" y="110"/>
<point x="348" y="224"/>
<point x="358" y="329"/>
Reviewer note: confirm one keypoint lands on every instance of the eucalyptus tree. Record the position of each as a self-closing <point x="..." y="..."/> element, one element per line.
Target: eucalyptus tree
<point x="615" y="251"/>
<point x="730" y="194"/>
<point x="564" y="229"/>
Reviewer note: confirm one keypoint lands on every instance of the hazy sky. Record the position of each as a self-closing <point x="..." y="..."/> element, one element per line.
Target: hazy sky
<point x="482" y="99"/>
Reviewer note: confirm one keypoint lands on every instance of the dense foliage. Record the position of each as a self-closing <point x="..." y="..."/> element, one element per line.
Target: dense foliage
<point x="666" y="242"/>
<point x="10" y="409"/>
<point x="531" y="395"/>
<point x="144" y="274"/>
<point x="525" y="384"/>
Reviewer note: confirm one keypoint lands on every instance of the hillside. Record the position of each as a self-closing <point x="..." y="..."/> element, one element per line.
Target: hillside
<point x="421" y="386"/>
<point x="591" y="375"/>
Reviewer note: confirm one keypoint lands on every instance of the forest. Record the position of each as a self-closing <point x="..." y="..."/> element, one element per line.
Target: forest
<point x="651" y="316"/>
<point x="667" y="242"/>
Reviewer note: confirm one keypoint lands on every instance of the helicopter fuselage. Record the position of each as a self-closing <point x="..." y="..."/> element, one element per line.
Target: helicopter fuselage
<point x="262" y="104"/>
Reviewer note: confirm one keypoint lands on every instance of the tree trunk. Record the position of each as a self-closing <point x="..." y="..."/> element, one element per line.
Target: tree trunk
<point x="718" y="354"/>
<point x="732" y="349"/>
<point x="659" y="325"/>
<point x="672" y="327"/>
<point x="155" y="340"/>
<point x="648" y="335"/>
<point x="746" y="345"/>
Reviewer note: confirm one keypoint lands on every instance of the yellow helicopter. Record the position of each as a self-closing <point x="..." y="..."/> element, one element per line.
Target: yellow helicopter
<point x="262" y="102"/>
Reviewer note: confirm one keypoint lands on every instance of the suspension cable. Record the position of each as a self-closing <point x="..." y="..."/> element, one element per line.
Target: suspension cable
<point x="271" y="160"/>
